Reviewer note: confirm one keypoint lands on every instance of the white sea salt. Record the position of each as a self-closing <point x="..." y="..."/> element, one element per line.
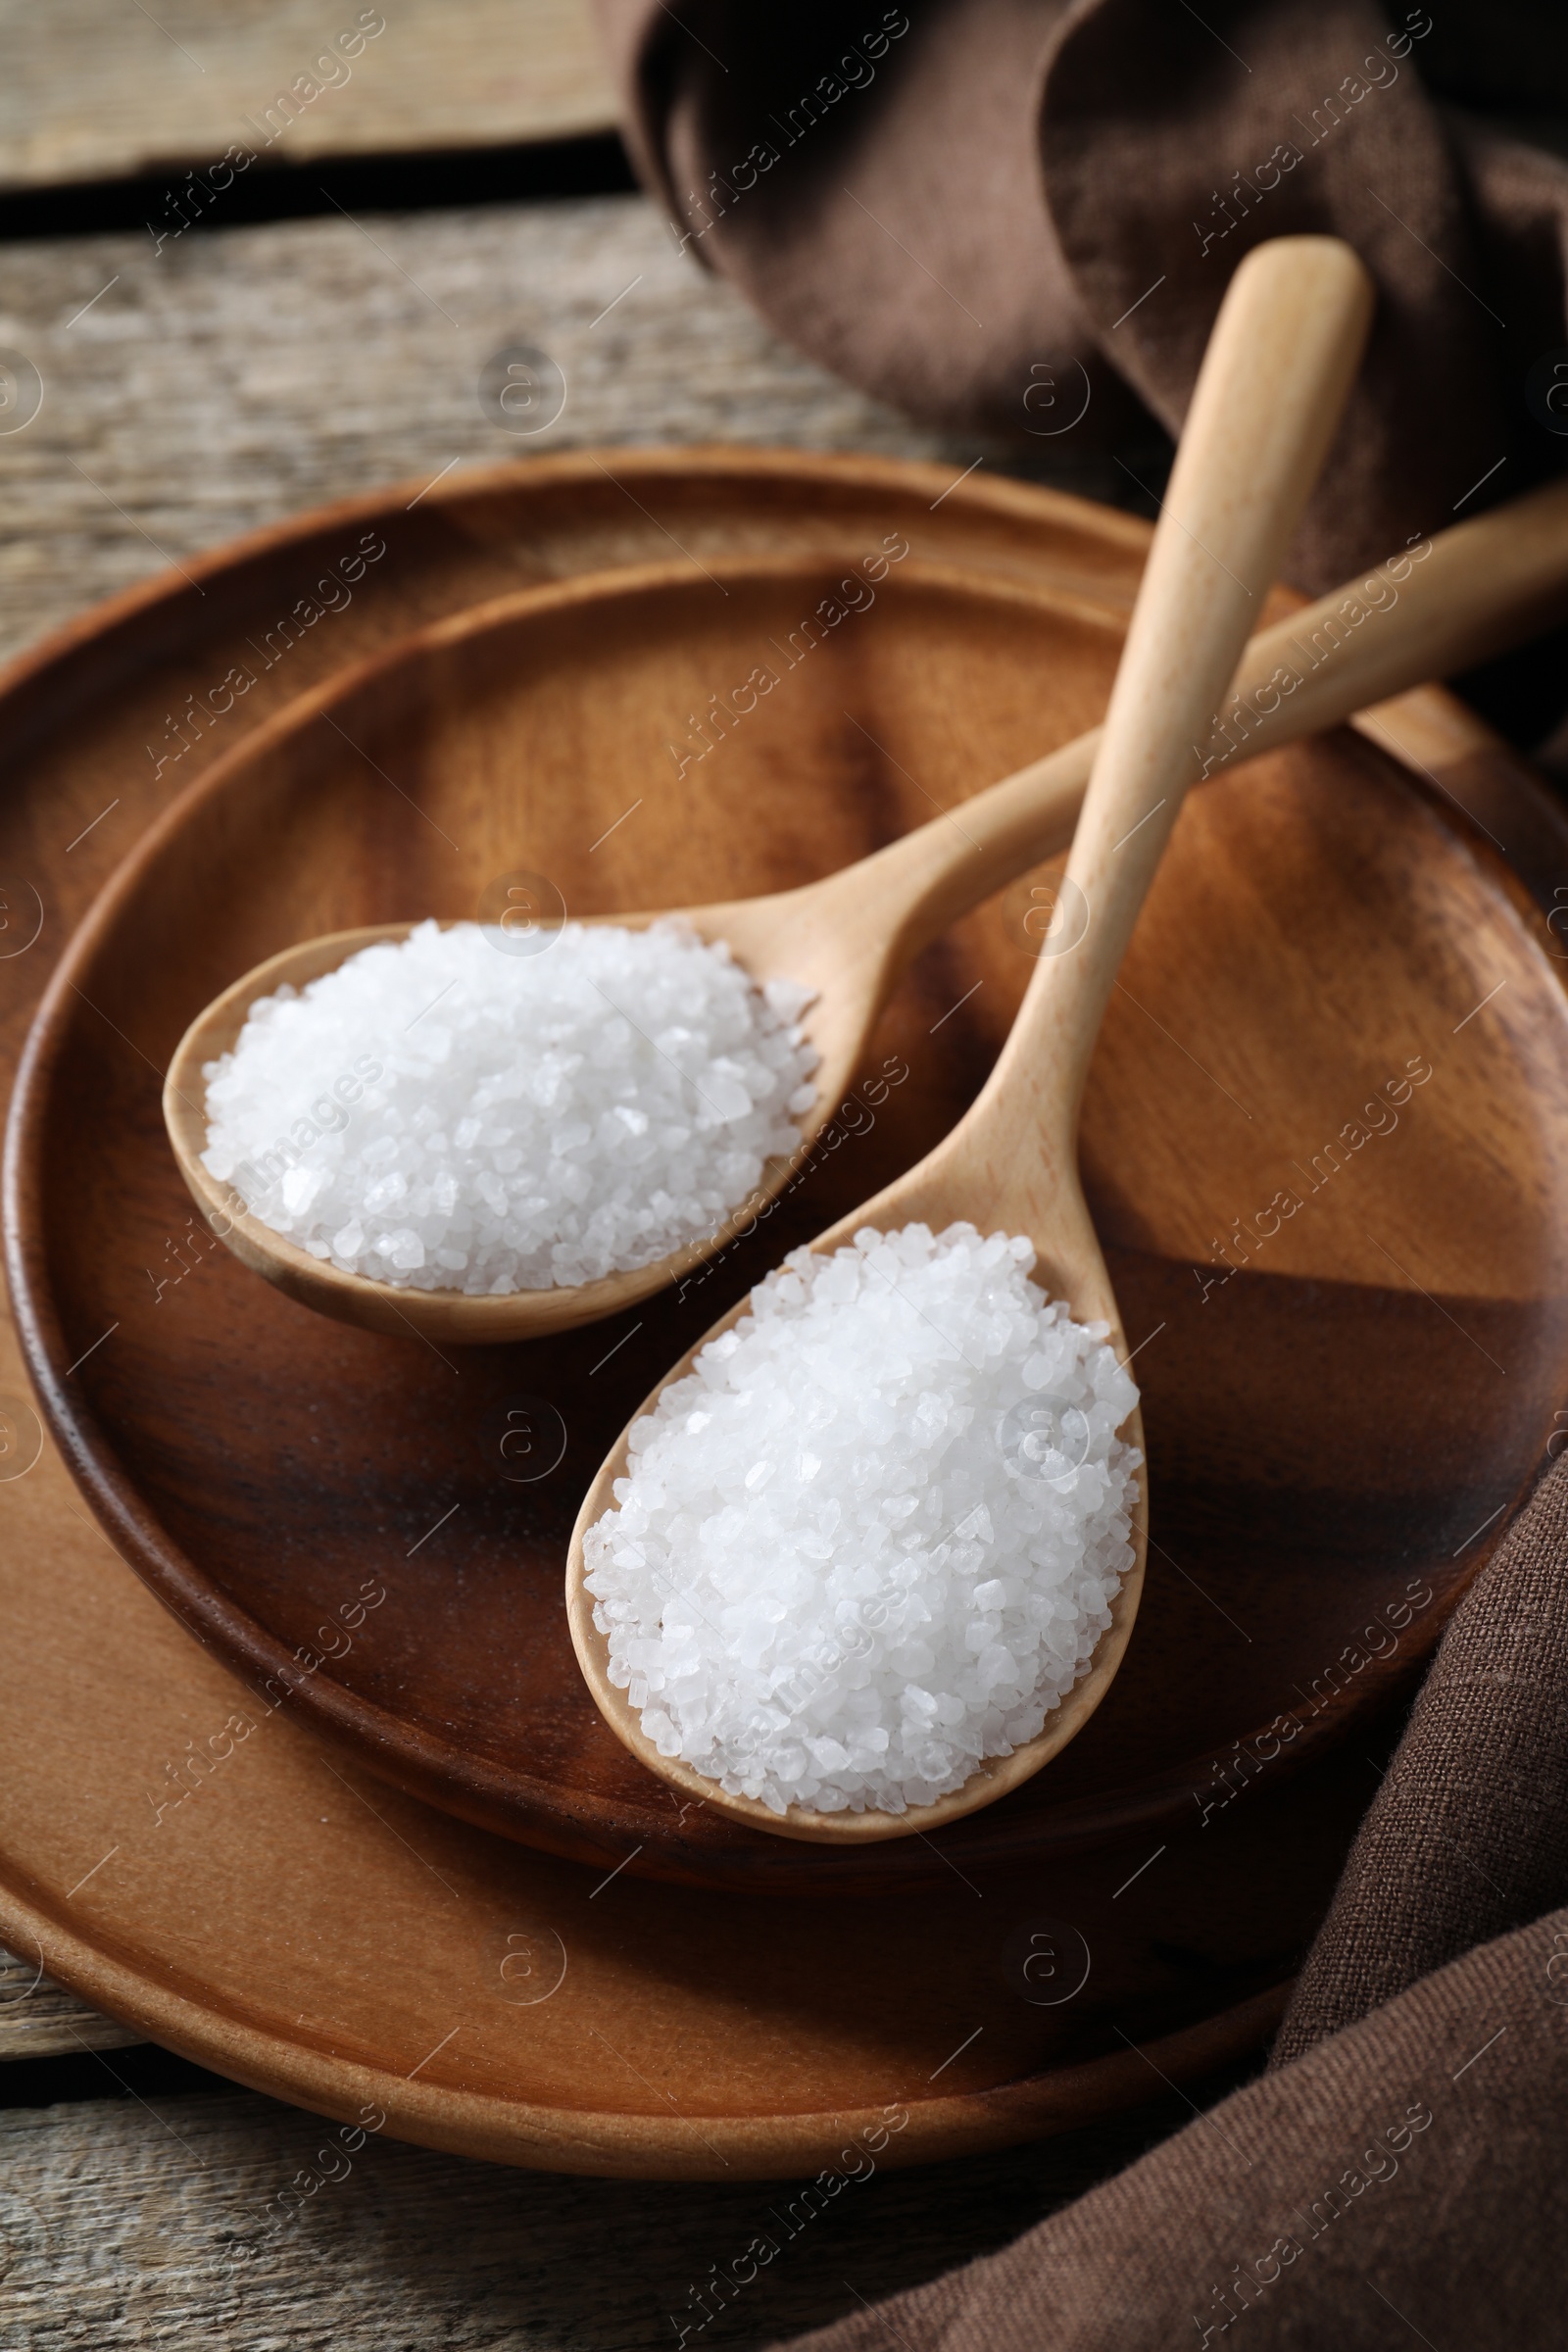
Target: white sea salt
<point x="874" y="1536"/>
<point x="439" y="1116"/>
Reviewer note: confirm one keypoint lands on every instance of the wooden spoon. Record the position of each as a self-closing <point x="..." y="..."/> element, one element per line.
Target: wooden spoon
<point x="1284" y="351"/>
<point x="1449" y="601"/>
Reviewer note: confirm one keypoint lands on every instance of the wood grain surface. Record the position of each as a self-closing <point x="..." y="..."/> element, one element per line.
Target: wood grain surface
<point x="119" y="2222"/>
<point x="241" y="375"/>
<point x="94" y="92"/>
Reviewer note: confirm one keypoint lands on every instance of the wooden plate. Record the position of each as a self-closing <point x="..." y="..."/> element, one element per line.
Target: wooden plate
<point x="1339" y="1061"/>
<point x="320" y="1959"/>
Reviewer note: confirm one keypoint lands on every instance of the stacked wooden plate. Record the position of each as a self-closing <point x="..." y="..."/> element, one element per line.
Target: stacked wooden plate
<point x="366" y="1839"/>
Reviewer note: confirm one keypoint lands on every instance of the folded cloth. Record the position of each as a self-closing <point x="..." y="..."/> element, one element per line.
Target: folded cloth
<point x="1016" y="218"/>
<point x="986" y="210"/>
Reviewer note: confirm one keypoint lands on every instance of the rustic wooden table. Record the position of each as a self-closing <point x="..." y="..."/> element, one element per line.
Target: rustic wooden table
<point x="192" y="391"/>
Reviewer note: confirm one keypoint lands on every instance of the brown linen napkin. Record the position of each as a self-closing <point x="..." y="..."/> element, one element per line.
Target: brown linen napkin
<point x="982" y="210"/>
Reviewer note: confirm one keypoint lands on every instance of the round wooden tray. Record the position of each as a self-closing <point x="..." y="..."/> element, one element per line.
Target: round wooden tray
<point x="306" y="1930"/>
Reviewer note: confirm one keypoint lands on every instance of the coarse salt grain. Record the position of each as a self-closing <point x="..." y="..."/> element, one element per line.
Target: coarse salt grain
<point x="443" y="1116"/>
<point x="874" y="1536"/>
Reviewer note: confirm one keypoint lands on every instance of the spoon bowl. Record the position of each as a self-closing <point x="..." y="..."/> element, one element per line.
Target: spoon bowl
<point x="1076" y="1273"/>
<point x="1278" y="368"/>
<point x="770" y="936"/>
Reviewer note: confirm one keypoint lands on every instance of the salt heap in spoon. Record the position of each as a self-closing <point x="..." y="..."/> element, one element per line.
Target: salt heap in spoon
<point x="436" y="1114"/>
<point x="873" y="1537"/>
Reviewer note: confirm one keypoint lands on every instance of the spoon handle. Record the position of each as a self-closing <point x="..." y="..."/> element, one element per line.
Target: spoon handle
<point x="1279" y="364"/>
<point x="1435" y="606"/>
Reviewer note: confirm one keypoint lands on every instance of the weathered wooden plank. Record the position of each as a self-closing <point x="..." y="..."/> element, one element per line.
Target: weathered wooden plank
<point x="128" y="2225"/>
<point x="40" y="2019"/>
<point x="232" y="377"/>
<point x="92" y="92"/>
